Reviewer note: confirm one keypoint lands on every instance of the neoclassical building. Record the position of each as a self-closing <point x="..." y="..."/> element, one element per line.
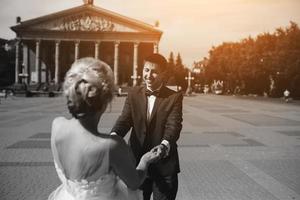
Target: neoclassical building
<point x="49" y="44"/>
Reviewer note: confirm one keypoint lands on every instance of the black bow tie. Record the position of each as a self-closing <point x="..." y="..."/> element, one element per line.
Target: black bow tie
<point x="149" y="93"/>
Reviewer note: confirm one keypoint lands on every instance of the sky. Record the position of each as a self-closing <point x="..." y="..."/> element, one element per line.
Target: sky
<point x="190" y="27"/>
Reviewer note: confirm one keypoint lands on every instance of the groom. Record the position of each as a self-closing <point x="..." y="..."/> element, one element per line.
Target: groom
<point x="154" y="113"/>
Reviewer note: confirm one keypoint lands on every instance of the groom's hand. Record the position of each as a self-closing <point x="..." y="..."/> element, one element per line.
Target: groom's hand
<point x="160" y="150"/>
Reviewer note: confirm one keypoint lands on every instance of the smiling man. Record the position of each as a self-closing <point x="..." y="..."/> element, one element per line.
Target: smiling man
<point x="154" y="113"/>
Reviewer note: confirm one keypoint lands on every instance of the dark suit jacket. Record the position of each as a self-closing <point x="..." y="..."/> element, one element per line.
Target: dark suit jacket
<point x="165" y="124"/>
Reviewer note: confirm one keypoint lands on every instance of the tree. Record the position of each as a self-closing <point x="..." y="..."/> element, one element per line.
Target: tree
<point x="257" y="63"/>
<point x="180" y="72"/>
<point x="171" y="65"/>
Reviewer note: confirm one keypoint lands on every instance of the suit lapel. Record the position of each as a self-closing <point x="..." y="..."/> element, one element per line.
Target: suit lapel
<point x="142" y="100"/>
<point x="140" y="105"/>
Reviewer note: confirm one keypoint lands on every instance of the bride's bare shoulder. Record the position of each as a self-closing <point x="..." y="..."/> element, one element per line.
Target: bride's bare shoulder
<point x="59" y="124"/>
<point x="59" y="121"/>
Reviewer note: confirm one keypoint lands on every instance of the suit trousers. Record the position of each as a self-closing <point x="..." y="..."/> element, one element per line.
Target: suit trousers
<point x="163" y="188"/>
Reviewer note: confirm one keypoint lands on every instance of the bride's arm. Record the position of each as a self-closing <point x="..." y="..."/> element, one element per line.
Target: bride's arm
<point x="55" y="129"/>
<point x="122" y="161"/>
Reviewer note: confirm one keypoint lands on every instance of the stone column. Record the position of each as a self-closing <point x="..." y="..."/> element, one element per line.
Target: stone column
<point x="56" y="76"/>
<point x="155" y="48"/>
<point x="37" y="61"/>
<point x="17" y="64"/>
<point x="77" y="50"/>
<point x="135" y="63"/>
<point x="97" y="49"/>
<point x="116" y="62"/>
<point x="25" y="63"/>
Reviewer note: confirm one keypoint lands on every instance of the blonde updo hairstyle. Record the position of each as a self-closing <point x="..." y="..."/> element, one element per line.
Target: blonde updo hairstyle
<point x="88" y="87"/>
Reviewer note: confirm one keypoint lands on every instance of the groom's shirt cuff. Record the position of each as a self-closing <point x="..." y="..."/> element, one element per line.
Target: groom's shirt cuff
<point x="166" y="144"/>
<point x="113" y="133"/>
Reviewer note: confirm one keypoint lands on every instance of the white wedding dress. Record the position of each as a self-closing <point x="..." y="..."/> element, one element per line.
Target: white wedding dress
<point x="108" y="186"/>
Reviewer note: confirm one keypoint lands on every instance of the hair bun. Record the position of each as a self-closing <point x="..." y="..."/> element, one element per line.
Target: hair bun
<point x="88" y="86"/>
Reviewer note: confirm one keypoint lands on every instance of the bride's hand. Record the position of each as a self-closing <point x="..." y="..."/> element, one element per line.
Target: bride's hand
<point x="151" y="156"/>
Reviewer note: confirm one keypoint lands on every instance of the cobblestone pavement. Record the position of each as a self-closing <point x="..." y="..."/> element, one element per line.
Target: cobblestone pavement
<point x="231" y="148"/>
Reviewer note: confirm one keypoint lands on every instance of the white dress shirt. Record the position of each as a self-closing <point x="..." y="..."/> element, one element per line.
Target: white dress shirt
<point x="150" y="104"/>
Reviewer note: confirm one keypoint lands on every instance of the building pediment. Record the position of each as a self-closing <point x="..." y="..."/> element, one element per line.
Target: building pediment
<point x="86" y="18"/>
<point x="84" y="21"/>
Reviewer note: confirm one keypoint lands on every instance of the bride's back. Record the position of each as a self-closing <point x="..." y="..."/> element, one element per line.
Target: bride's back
<point x="81" y="154"/>
<point x="88" y="88"/>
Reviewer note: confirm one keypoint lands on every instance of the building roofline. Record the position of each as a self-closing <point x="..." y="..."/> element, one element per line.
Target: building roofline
<point x="87" y="7"/>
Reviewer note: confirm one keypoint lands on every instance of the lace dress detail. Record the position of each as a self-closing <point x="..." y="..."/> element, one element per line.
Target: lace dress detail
<point x="107" y="187"/>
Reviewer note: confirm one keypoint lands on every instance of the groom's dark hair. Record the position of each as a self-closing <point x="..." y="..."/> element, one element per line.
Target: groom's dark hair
<point x="159" y="60"/>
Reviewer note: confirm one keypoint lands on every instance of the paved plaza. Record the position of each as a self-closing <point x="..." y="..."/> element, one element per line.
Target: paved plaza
<point x="231" y="148"/>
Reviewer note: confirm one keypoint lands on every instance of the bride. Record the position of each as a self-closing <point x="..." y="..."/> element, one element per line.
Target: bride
<point x="93" y="165"/>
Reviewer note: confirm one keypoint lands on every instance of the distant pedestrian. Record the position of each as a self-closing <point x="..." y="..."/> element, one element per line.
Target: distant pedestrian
<point x="119" y="91"/>
<point x="4" y="93"/>
<point x="286" y="95"/>
<point x="206" y="89"/>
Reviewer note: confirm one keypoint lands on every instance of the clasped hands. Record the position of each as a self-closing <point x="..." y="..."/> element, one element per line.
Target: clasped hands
<point x="160" y="150"/>
<point x="156" y="153"/>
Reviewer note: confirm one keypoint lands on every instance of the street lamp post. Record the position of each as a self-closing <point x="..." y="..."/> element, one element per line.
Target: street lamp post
<point x="135" y="79"/>
<point x="189" y="78"/>
<point x="197" y="72"/>
<point x="23" y="77"/>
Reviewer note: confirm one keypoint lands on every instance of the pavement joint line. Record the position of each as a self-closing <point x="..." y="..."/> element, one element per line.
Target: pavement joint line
<point x="41" y="135"/>
<point x="31" y="108"/>
<point x="277" y="189"/>
<point x="219" y="116"/>
<point x="39" y="116"/>
<point x="26" y="164"/>
<point x="37" y="139"/>
<point x="193" y="145"/>
<point x="31" y="144"/>
<point x="187" y="132"/>
<point x="250" y="143"/>
<point x="239" y="117"/>
<point x="233" y="133"/>
<point x="290" y="133"/>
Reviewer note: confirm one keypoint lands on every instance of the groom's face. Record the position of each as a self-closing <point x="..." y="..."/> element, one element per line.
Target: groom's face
<point x="152" y="75"/>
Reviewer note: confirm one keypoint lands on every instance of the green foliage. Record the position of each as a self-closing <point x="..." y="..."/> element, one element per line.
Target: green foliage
<point x="171" y="62"/>
<point x="254" y="63"/>
<point x="177" y="71"/>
